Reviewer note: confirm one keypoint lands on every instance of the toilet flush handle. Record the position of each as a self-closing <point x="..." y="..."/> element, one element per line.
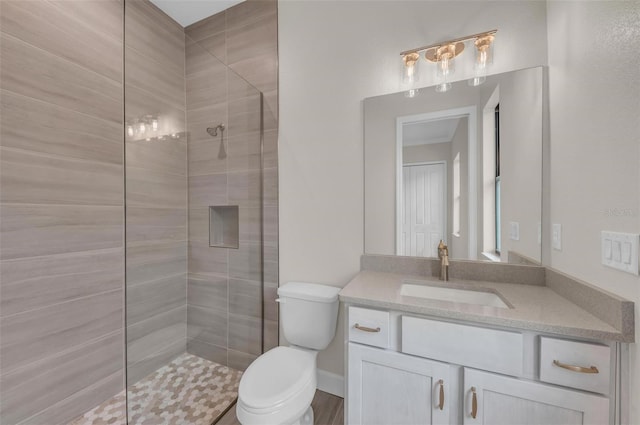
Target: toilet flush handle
<point x="280" y="300"/>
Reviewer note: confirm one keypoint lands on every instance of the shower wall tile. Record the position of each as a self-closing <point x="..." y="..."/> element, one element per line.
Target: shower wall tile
<point x="170" y="350"/>
<point x="207" y="87"/>
<point x="156" y="224"/>
<point x="246" y="262"/>
<point x="33" y="178"/>
<point x="245" y="334"/>
<point x="171" y="118"/>
<point x="49" y="27"/>
<point x="36" y="73"/>
<point x="78" y="403"/>
<point x="35" y="335"/>
<point x="249" y="12"/>
<point x="44" y="128"/>
<point x="207" y="324"/>
<point x="244" y="37"/>
<point x="149" y="299"/>
<point x="61" y="236"/>
<point x="208" y="190"/>
<point x="240" y="360"/>
<point x="30" y="230"/>
<point x="206" y="259"/>
<point x="151" y="33"/>
<point x="149" y="188"/>
<point x="150" y="336"/>
<point x="149" y="261"/>
<point x="69" y="373"/>
<point x="32" y="283"/>
<point x="206" y="27"/>
<point x="207" y="351"/>
<point x="208" y="290"/>
<point x="153" y="77"/>
<point x="245" y="297"/>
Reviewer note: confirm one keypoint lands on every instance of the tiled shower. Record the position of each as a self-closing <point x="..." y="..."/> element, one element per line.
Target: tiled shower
<point x="108" y="269"/>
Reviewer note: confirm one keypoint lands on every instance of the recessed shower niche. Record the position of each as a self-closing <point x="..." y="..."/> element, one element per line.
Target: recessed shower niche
<point x="224" y="226"/>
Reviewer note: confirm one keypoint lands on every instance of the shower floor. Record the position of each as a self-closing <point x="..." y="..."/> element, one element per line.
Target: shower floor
<point x="189" y="390"/>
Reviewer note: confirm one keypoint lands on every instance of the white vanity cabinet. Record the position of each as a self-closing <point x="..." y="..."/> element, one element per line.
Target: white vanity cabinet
<point x="387" y="387"/>
<point x="407" y="369"/>
<point x="501" y="400"/>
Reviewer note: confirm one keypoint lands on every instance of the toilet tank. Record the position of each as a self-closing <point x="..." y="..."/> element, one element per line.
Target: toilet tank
<point x="308" y="313"/>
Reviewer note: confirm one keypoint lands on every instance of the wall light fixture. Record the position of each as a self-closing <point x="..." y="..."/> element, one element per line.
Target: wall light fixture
<point x="443" y="55"/>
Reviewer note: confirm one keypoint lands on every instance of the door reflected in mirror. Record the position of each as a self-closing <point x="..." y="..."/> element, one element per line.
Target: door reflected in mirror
<point x="464" y="167"/>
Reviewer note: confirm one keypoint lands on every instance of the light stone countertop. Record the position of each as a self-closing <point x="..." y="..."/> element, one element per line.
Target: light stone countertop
<point x="535" y="308"/>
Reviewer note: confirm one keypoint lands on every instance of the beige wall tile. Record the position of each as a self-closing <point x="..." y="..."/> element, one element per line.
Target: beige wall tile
<point x="150" y="364"/>
<point x="207" y="351"/>
<point x="246" y="261"/>
<point x="249" y="11"/>
<point x="31" y="283"/>
<point x="207" y="87"/>
<point x="153" y="335"/>
<point x="208" y="190"/>
<point x="42" y="179"/>
<point x="206" y="259"/>
<point x="36" y="73"/>
<point x="104" y="16"/>
<point x="25" y="395"/>
<point x="245" y="297"/>
<point x="153" y="260"/>
<point x="239" y="360"/>
<point x="245" y="334"/>
<point x="207" y="325"/>
<point x="149" y="299"/>
<point x="207" y="290"/>
<point x="30" y="124"/>
<point x="34" y="230"/>
<point x="49" y="27"/>
<point x="38" y="334"/>
<point x="156" y="224"/>
<point x="158" y="40"/>
<point x="147" y="188"/>
<point x="206" y="27"/>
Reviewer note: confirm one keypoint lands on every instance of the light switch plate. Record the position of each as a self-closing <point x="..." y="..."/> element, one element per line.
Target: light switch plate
<point x="620" y="251"/>
<point x="556" y="237"/>
<point x="514" y="230"/>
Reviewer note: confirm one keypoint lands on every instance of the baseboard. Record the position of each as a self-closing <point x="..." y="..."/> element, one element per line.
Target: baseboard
<point x="331" y="383"/>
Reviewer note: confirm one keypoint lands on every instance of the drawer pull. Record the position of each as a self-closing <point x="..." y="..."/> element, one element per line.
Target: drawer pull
<point x="578" y="369"/>
<point x="366" y="329"/>
<point x="474" y="403"/>
<point x="441" y="399"/>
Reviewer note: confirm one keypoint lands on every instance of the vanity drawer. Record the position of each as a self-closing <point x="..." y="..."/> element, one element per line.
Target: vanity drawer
<point x="573" y="364"/>
<point x="481" y="348"/>
<point x="369" y="327"/>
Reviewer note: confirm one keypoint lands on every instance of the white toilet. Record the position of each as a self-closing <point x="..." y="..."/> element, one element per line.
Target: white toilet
<point x="277" y="388"/>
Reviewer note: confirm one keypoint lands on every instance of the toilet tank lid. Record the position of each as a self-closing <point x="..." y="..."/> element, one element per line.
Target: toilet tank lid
<point x="309" y="292"/>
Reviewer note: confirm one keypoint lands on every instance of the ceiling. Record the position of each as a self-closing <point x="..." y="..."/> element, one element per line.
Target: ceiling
<point x="429" y="132"/>
<point x="187" y="12"/>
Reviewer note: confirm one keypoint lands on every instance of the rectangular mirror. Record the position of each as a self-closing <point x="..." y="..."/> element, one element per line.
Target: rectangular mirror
<point x="464" y="166"/>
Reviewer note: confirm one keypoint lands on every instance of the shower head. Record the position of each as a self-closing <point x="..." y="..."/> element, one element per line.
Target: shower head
<point x="213" y="131"/>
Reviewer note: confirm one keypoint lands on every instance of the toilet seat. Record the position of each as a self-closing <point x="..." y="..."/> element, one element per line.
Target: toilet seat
<point x="277" y="388"/>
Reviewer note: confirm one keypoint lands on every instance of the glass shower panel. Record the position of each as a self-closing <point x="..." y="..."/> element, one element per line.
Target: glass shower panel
<point x="194" y="223"/>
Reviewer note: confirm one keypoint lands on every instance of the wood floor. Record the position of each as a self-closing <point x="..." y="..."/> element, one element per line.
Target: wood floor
<point x="328" y="409"/>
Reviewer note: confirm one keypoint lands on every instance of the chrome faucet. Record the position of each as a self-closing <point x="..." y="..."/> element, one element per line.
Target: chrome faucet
<point x="443" y="255"/>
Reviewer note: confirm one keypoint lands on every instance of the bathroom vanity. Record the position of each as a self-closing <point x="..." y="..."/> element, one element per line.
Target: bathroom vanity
<point x="511" y="353"/>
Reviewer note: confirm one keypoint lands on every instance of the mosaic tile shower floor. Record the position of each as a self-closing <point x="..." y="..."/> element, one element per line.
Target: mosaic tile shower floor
<point x="189" y="390"/>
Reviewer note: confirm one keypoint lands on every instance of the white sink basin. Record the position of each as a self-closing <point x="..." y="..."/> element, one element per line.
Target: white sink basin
<point x="465" y="296"/>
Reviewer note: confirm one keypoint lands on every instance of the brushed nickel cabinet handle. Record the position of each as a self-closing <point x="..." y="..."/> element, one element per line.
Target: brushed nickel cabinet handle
<point x="441" y="398"/>
<point x="474" y="403"/>
<point x="366" y="329"/>
<point x="578" y="369"/>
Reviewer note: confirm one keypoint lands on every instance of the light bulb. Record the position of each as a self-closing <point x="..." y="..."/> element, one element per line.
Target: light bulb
<point x="410" y="68"/>
<point x="411" y="93"/>
<point x="142" y="128"/>
<point x="483" y="59"/>
<point x="154" y="124"/>
<point x="130" y="131"/>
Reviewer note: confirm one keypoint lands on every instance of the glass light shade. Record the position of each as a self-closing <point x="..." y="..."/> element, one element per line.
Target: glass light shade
<point x="410" y="68"/>
<point x="483" y="59"/>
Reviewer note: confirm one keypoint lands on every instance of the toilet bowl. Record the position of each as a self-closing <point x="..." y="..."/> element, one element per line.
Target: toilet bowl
<point x="278" y="387"/>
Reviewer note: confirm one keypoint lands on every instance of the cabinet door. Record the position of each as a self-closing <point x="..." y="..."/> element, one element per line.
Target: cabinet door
<point x="389" y="388"/>
<point x="501" y="400"/>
